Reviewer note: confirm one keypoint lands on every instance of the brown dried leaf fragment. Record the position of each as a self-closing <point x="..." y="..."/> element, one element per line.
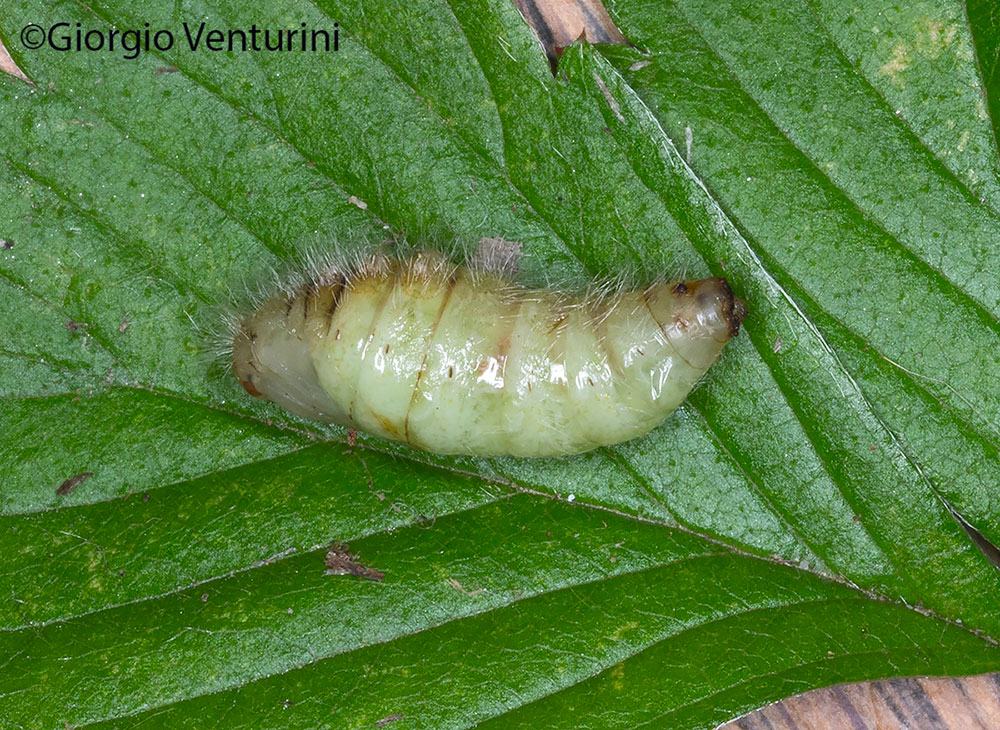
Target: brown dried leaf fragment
<point x="340" y="561"/>
<point x="389" y="718"/>
<point x="73" y="482"/>
<point x="559" y="23"/>
<point x="7" y="65"/>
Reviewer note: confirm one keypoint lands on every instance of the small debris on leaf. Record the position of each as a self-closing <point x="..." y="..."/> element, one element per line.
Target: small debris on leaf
<point x="340" y="561"/>
<point x="498" y="254"/>
<point x="167" y="70"/>
<point x="389" y="718"/>
<point x="458" y="587"/>
<point x="73" y="482"/>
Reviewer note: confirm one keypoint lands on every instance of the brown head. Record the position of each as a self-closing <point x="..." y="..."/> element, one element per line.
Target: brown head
<point x="713" y="304"/>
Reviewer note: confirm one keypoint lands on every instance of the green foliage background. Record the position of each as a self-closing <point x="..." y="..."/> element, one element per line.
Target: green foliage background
<point x="799" y="522"/>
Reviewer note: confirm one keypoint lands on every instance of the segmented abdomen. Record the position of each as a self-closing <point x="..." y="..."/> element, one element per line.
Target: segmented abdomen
<point x="459" y="361"/>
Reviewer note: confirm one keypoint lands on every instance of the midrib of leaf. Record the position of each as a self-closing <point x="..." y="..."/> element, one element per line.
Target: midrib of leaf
<point x="514" y="134"/>
<point x="790" y="400"/>
<point x="333" y="181"/>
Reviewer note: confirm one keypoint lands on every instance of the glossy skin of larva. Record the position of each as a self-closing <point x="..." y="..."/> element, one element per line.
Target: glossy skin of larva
<point x="458" y="361"/>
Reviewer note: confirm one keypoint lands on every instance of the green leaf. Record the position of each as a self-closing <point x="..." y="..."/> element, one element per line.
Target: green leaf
<point x="984" y="21"/>
<point x="819" y="511"/>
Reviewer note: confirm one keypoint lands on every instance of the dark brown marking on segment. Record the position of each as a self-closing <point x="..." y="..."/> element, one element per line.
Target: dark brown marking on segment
<point x="247" y="383"/>
<point x="558" y="322"/>
<point x="336" y="291"/>
<point x="680" y="288"/>
<point x="388" y="425"/>
<point x="250" y="388"/>
<point x="449" y="288"/>
<point x="309" y="291"/>
<point x="506" y="339"/>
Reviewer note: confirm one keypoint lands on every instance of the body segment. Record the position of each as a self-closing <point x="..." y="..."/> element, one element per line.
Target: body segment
<point x="461" y="361"/>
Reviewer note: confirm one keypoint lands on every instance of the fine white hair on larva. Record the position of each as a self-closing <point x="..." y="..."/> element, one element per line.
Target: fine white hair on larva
<point x="449" y="352"/>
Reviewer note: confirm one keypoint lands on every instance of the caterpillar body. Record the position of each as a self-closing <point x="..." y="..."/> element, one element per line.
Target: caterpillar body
<point x="460" y="359"/>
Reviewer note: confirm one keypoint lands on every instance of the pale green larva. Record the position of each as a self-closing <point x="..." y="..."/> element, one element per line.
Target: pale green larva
<point x="459" y="359"/>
